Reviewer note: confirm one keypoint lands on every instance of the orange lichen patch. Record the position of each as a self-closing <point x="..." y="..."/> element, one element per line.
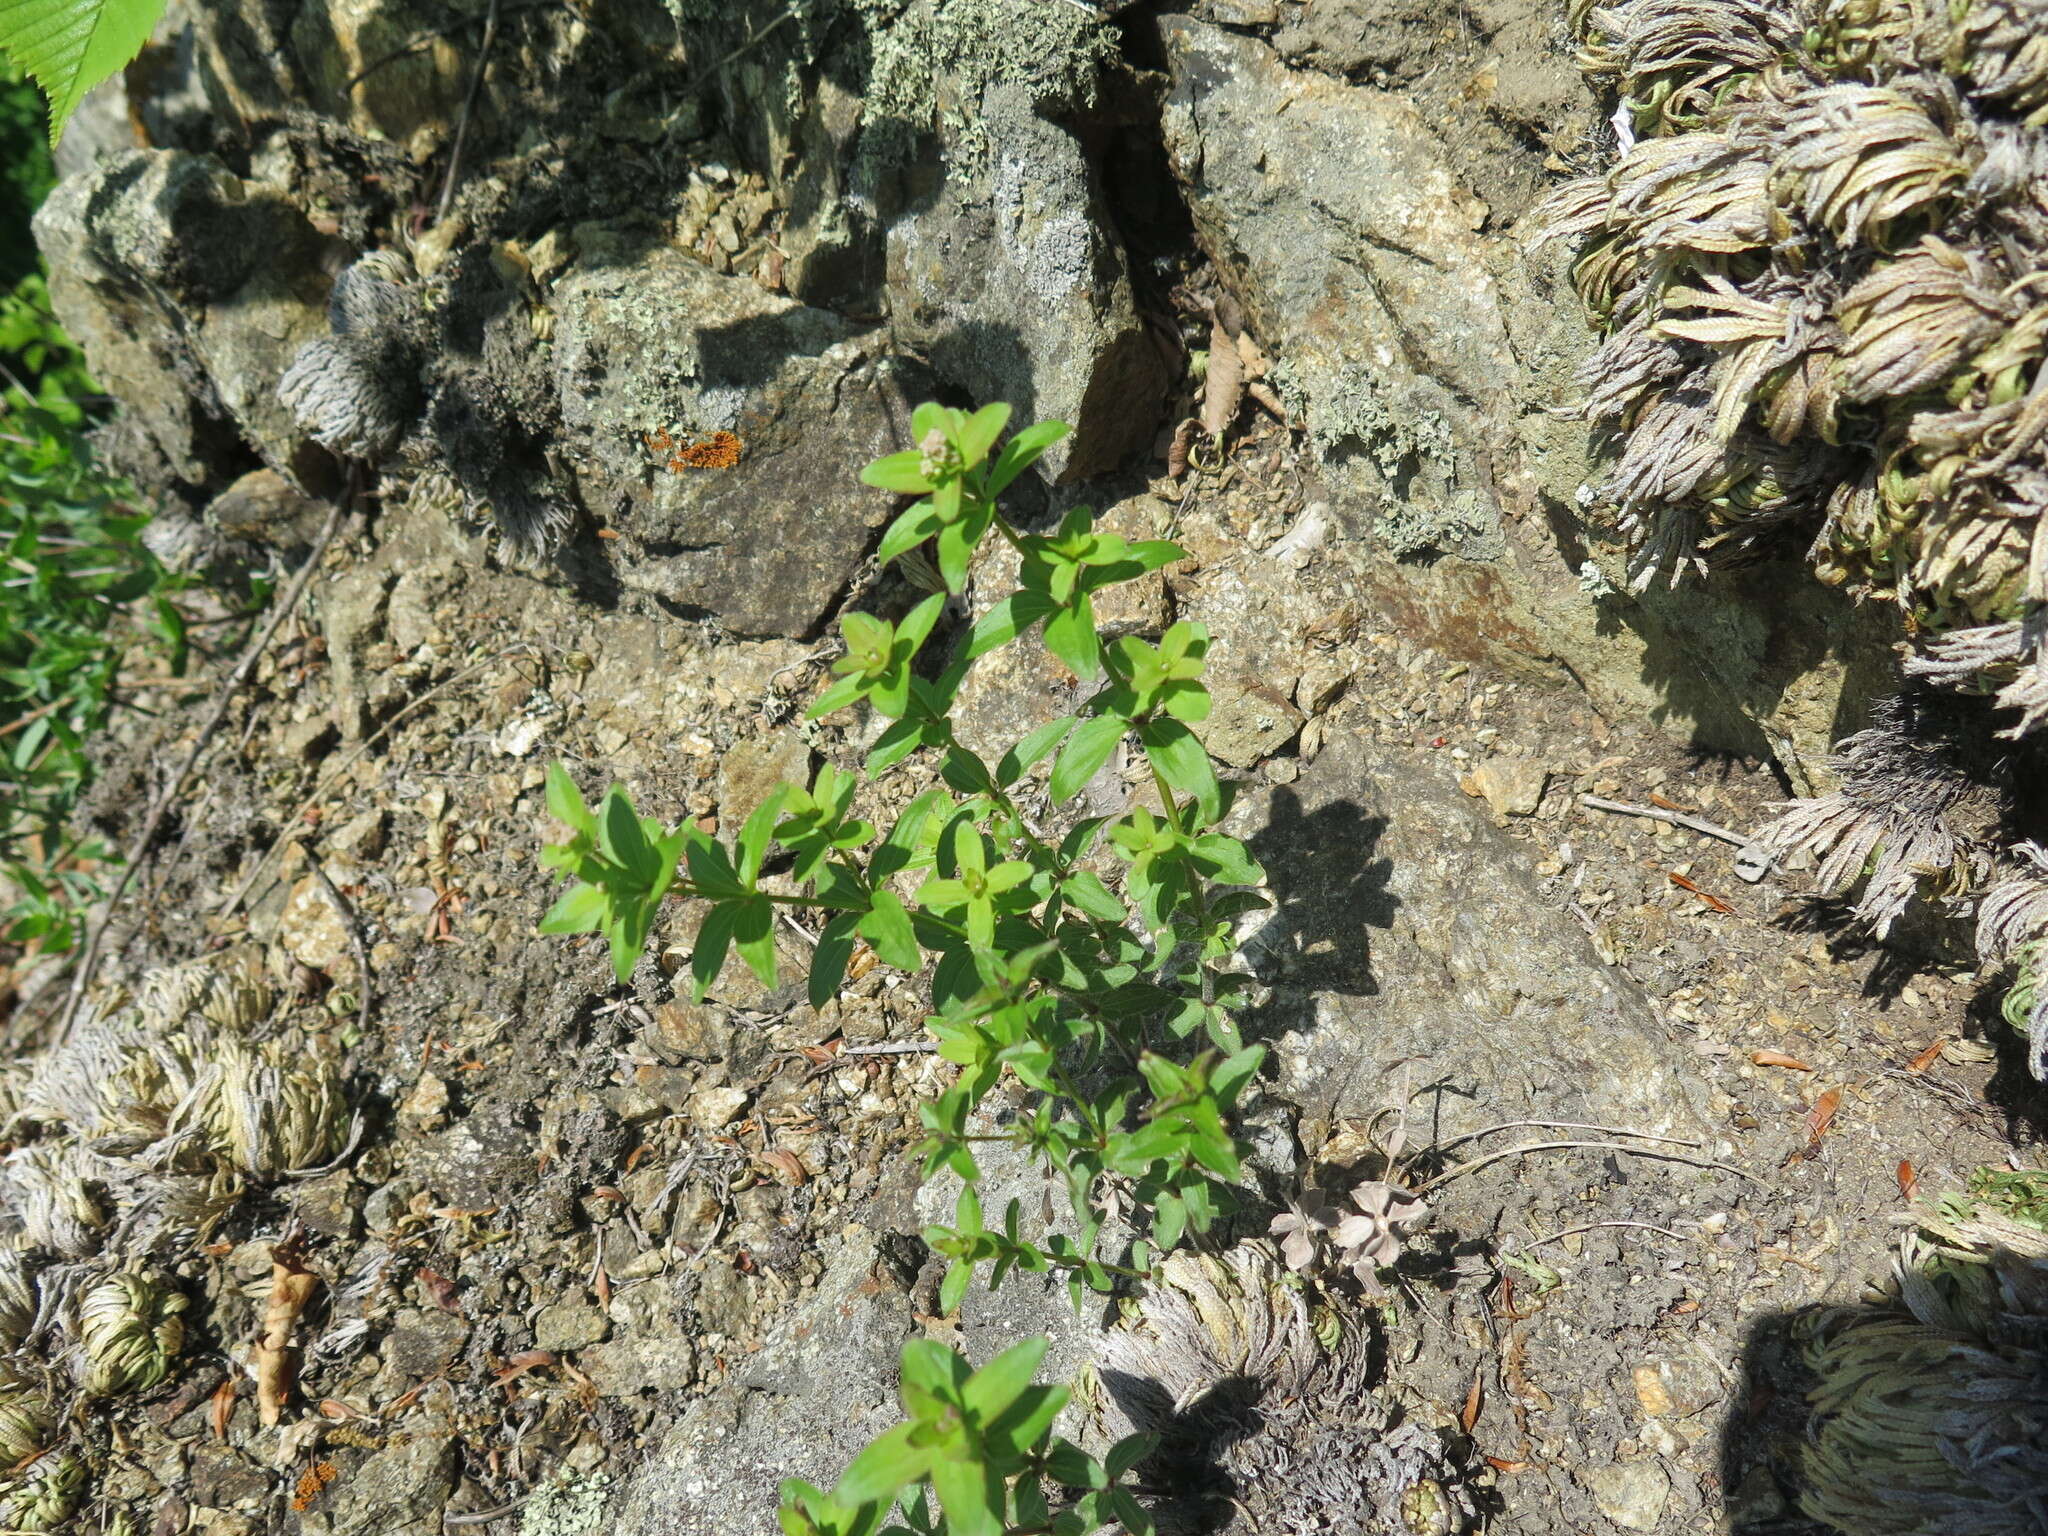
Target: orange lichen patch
<point x="721" y="450"/>
<point x="316" y="1478"/>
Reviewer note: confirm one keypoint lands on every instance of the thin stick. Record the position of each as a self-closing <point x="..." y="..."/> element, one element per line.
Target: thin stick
<point x="223" y="697"/>
<point x="1590" y="1225"/>
<point x="891" y="1048"/>
<point x="433" y="34"/>
<point x="1563" y="1125"/>
<point x="484" y="1516"/>
<point x="476" y="82"/>
<point x="354" y="925"/>
<point x="1557" y="1146"/>
<point x="1675" y="818"/>
<point x="348" y="758"/>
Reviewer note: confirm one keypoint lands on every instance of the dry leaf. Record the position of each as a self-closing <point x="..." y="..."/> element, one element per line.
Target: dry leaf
<point x="1183" y="445"/>
<point x="335" y="1408"/>
<point x="1249" y="354"/>
<point x="1686" y="885"/>
<point x="1909" y="1181"/>
<point x="1223" y="389"/>
<point x="291" y="1287"/>
<point x="440" y="1291"/>
<point x="602" y="1284"/>
<point x="223" y="1408"/>
<point x="1669" y="805"/>
<point x="1474" y="1398"/>
<point x="1270" y="399"/>
<point x="787" y="1166"/>
<point x="1506" y="1466"/>
<point x="1926" y="1058"/>
<point x="1778" y="1059"/>
<point x="1821" y="1116"/>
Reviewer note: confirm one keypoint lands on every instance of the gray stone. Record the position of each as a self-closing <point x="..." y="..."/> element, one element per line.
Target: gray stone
<point x="647" y="341"/>
<point x="1428" y="353"/>
<point x="624" y="1367"/>
<point x="570" y="1325"/>
<point x="189" y="291"/>
<point x="754" y="766"/>
<point x="820" y="1388"/>
<point x="1249" y="719"/>
<point x="1014" y="283"/>
<point x="686" y="1031"/>
<point x="400" y="1491"/>
<point x="1630" y="1493"/>
<point x="425" y="1343"/>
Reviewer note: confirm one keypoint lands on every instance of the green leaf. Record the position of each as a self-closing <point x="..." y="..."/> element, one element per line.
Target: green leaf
<point x="70" y="46"/>
<point x="1086" y="893"/>
<point x="565" y="801"/>
<point x="581" y="910"/>
<point x="997" y="1385"/>
<point x="882" y="1471"/>
<point x="1022" y="451"/>
<point x="1085" y="752"/>
<point x="887" y="929"/>
<point x="828" y="960"/>
<point x="898" y="472"/>
<point x="981" y="431"/>
<point x="714" y="938"/>
<point x="1033" y="749"/>
<point x="972" y="1496"/>
<point x="954" y="1287"/>
<point x="919" y="621"/>
<point x="621" y="836"/>
<point x="1007" y="620"/>
<point x="753" y="841"/>
<point x="1128" y="1452"/>
<point x="753" y="936"/>
<point x="1183" y="762"/>
<point x="1070" y="635"/>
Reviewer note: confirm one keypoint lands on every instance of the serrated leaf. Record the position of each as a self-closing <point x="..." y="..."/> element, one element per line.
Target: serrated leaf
<point x="70" y="46"/>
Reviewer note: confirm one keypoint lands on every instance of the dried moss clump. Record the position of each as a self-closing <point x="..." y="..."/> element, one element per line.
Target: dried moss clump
<point x="1264" y="1408"/>
<point x="1929" y="1417"/>
<point x="1822" y="266"/>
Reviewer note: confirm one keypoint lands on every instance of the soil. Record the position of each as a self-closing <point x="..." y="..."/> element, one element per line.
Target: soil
<point x="581" y="1206"/>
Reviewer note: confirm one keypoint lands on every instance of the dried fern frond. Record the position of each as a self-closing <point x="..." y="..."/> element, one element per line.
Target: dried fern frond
<point x="276" y="1110"/>
<point x="1914" y="321"/>
<point x="1913" y="816"/>
<point x="129" y="1328"/>
<point x="1862" y="160"/>
<point x="17" y="1298"/>
<point x="1865" y="38"/>
<point x="1700" y="192"/>
<point x="1927" y="1415"/>
<point x="43" y="1496"/>
<point x="47" y="1190"/>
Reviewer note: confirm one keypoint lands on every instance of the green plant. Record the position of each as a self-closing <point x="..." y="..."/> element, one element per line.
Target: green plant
<point x="982" y="1443"/>
<point x="1092" y="965"/>
<point x="70" y="46"/>
<point x="73" y="569"/>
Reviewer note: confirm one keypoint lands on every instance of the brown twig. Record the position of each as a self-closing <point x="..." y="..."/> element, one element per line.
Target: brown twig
<point x="356" y="941"/>
<point x="223" y="697"/>
<point x="891" y="1048"/>
<point x="1589" y="1226"/>
<point x="1557" y="1146"/>
<point x="476" y="83"/>
<point x="1563" y="1125"/>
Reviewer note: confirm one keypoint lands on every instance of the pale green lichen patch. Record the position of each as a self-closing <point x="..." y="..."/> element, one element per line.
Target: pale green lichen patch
<point x="571" y="1505"/>
<point x="926" y="64"/>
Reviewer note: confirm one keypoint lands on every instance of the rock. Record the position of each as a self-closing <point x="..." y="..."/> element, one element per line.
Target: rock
<point x="329" y="1205"/>
<point x="686" y="1031"/>
<point x="628" y="1366"/>
<point x="1014" y="282"/>
<point x="400" y="1491"/>
<point x="265" y="508"/>
<point x="305" y="741"/>
<point x="189" y="291"/>
<point x="361" y="837"/>
<point x="754" y="766"/>
<point x="1512" y="786"/>
<point x="425" y="1342"/>
<point x="570" y="1325"/>
<point x="821" y="1387"/>
<point x="1428" y="354"/>
<point x="647" y="341"/>
<point x="311" y="931"/>
<point x="426" y="1107"/>
<point x="351" y="617"/>
<point x="1249" y="720"/>
<point x="715" y="1108"/>
<point x="1630" y="1493"/>
<point x="411" y="98"/>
